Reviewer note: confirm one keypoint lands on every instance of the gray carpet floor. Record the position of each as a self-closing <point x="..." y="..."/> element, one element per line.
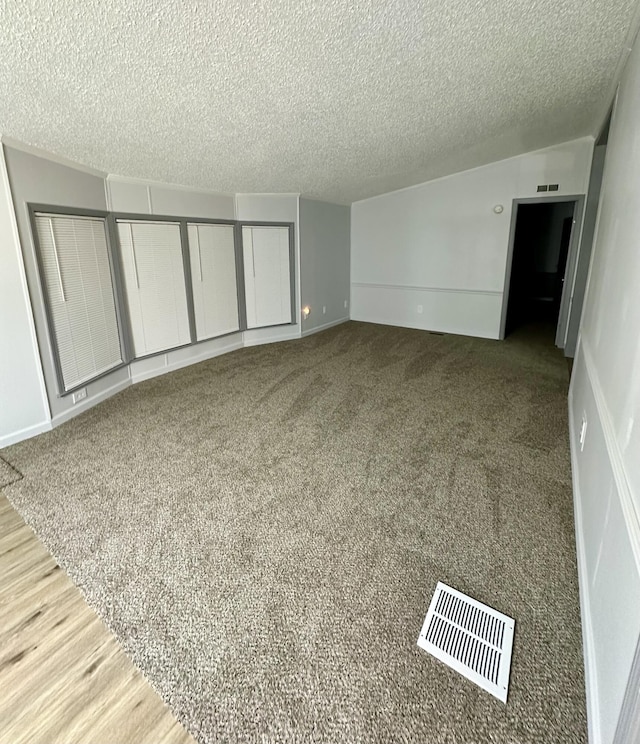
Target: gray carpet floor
<point x="263" y="532"/>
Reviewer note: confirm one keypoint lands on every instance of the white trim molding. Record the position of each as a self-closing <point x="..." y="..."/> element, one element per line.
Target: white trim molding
<point x="421" y="288"/>
<point x="588" y="646"/>
<point x="22" y="434"/>
<point x="90" y="402"/>
<point x="587" y="383"/>
<point x="254" y="337"/>
<point x="324" y="327"/>
<point x="187" y="361"/>
<point x="627" y="502"/>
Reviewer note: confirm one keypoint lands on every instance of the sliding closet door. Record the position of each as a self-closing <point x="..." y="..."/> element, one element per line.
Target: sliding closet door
<point x="76" y="275"/>
<point x="155" y="285"/>
<point x="267" y="275"/>
<point x="213" y="279"/>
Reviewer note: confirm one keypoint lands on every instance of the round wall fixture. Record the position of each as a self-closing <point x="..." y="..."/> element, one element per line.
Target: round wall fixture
<point x="498" y="209"/>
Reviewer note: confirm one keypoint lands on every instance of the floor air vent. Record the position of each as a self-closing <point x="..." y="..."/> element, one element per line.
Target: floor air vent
<point x="471" y="638"/>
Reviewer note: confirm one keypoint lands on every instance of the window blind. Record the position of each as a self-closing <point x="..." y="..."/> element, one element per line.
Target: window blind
<point x="213" y="278"/>
<point x="80" y="295"/>
<point x="155" y="285"/>
<point x="267" y="275"/>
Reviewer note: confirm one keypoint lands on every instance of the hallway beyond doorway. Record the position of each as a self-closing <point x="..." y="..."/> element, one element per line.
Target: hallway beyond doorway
<point x="539" y="261"/>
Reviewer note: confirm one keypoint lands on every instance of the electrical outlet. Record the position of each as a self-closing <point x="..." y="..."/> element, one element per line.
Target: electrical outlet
<point x="583" y="431"/>
<point x="346" y="304"/>
<point x="324" y="309"/>
<point x="79" y="395"/>
<point x="419" y="308"/>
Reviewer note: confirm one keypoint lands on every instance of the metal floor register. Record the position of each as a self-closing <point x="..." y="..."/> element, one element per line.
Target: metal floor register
<point x="471" y="638"/>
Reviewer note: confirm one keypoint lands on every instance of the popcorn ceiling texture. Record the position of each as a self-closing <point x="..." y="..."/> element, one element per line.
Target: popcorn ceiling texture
<point x="339" y="99"/>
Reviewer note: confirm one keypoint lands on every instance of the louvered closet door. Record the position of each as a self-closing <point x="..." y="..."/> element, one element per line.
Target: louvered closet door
<point x="155" y="285"/>
<point x="267" y="275"/>
<point x="213" y="278"/>
<point x="80" y="295"/>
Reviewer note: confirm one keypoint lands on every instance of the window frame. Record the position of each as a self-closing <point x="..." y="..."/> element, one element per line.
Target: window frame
<point x="238" y="265"/>
<point x="114" y="270"/>
<point x="186" y="269"/>
<point x="117" y="278"/>
<point x="292" y="267"/>
<point x="114" y="217"/>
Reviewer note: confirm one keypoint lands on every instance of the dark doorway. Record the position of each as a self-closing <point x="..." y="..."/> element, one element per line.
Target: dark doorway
<point x="540" y="250"/>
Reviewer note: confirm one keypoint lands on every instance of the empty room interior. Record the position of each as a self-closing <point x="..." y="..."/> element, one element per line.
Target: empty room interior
<point x="320" y="372"/>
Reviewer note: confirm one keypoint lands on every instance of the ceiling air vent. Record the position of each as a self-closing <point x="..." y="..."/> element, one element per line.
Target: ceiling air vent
<point x="471" y="638"/>
<point x="543" y="187"/>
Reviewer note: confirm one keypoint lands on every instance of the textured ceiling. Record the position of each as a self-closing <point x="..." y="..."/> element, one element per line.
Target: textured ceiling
<point x="336" y="99"/>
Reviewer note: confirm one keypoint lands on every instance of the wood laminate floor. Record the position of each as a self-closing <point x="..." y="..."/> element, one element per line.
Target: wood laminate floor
<point x="63" y="676"/>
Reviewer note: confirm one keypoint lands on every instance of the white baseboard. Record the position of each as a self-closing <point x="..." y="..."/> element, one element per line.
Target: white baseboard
<point x="324" y="326"/>
<point x="186" y="362"/>
<point x="588" y="649"/>
<point x="89" y="403"/>
<point x="258" y="341"/>
<point x="27" y="433"/>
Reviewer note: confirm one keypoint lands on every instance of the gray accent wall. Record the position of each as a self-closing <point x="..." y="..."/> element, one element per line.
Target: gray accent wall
<point x="586" y="244"/>
<point x="325" y="239"/>
<point x="42" y="181"/>
<point x="24" y="411"/>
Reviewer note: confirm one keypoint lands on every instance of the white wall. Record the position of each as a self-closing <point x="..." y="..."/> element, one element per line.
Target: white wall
<point x="325" y="263"/>
<point x="605" y="391"/>
<point x="434" y="256"/>
<point x="274" y="208"/>
<point x="147" y="197"/>
<point x="24" y="410"/>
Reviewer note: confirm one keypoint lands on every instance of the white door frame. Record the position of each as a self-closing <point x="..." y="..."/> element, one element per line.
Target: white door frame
<point x="570" y="267"/>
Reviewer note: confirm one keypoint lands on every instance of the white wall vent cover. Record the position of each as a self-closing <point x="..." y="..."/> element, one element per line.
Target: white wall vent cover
<point x="471" y="638"/>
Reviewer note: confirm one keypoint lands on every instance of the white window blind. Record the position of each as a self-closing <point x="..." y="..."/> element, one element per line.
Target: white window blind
<point x="267" y="275"/>
<point x="213" y="279"/>
<point x="76" y="273"/>
<point x="155" y="285"/>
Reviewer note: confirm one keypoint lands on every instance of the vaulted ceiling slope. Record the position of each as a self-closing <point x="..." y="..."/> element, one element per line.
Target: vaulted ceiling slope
<point x="336" y="99"/>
